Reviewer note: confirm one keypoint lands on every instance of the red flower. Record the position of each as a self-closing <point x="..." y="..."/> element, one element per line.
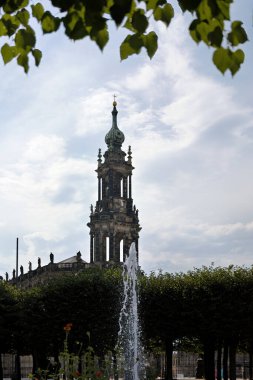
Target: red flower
<point x="68" y="326"/>
<point x="98" y="373"/>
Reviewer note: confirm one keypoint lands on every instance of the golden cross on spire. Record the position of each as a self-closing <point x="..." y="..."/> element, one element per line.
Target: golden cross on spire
<point x="114" y="102"/>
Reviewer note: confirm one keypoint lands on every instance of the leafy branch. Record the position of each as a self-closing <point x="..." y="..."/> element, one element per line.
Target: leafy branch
<point x="211" y="25"/>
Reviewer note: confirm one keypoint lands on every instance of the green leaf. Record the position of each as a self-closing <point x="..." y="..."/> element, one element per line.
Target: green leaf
<point x="23" y="60"/>
<point x="108" y="5"/>
<point x="209" y="32"/>
<point x="13" y="6"/>
<point x="187" y="5"/>
<point x="63" y="5"/>
<point x="25" y="39"/>
<point x="237" y="58"/>
<point x="164" y="14"/>
<point x="221" y="59"/>
<point x="150" y="43"/>
<point x="239" y="55"/>
<point x="37" y="54"/>
<point x="203" y="30"/>
<point x="139" y="21"/>
<point x="128" y="25"/>
<point x="8" y="53"/>
<point x="38" y="11"/>
<point x="237" y="35"/>
<point x="101" y="37"/>
<point x="226" y="59"/>
<point x="49" y="23"/>
<point x="194" y="32"/>
<point x="168" y="14"/>
<point x="11" y="23"/>
<point x="3" y="30"/>
<point x="71" y="20"/>
<point x="204" y="10"/>
<point x="131" y="45"/>
<point x="152" y="4"/>
<point x="94" y="6"/>
<point x="216" y="36"/>
<point x="23" y="16"/>
<point x="74" y="26"/>
<point x="120" y="9"/>
<point x="224" y="7"/>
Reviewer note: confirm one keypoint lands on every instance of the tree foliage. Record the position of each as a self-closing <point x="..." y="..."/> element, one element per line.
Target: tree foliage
<point x="88" y="18"/>
<point x="210" y="306"/>
<point x="206" y="309"/>
<point x="89" y="301"/>
<point x="10" y="317"/>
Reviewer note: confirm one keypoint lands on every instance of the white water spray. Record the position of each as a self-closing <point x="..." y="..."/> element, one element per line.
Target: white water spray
<point x="129" y="334"/>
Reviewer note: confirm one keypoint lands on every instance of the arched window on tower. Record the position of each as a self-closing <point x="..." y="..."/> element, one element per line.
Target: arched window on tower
<point x="99" y="188"/>
<point x="121" y="251"/>
<point x="121" y="187"/>
<point x="107" y="248"/>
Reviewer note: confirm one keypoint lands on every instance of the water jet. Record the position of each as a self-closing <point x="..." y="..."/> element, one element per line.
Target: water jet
<point x="129" y="344"/>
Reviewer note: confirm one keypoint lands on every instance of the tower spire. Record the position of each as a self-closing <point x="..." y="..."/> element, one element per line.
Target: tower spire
<point x="114" y="224"/>
<point x="114" y="138"/>
<point x="99" y="157"/>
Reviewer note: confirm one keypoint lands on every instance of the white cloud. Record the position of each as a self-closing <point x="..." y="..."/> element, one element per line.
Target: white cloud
<point x="227" y="229"/>
<point x="191" y="136"/>
<point x="44" y="194"/>
<point x="42" y="148"/>
<point x="92" y="116"/>
<point x="142" y="80"/>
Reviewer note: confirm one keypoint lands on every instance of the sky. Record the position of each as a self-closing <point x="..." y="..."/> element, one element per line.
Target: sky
<point x="191" y="133"/>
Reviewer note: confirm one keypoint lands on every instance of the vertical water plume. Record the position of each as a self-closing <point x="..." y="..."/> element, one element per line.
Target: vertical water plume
<point x="129" y="345"/>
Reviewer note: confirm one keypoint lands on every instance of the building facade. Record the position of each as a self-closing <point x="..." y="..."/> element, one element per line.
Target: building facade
<point x="114" y="221"/>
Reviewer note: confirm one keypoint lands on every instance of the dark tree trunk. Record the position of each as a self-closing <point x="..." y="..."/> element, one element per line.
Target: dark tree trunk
<point x="168" y="359"/>
<point x="250" y="363"/>
<point x="115" y="366"/>
<point x="1" y="368"/>
<point x="35" y="362"/>
<point x="225" y="361"/>
<point x="17" y="370"/>
<point x="219" y="354"/>
<point x="232" y="361"/>
<point x="18" y="367"/>
<point x="209" y="362"/>
<point x="200" y="372"/>
<point x="39" y="361"/>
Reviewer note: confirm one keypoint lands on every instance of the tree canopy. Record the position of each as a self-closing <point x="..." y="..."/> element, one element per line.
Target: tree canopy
<point x="211" y="25"/>
<point x="206" y="309"/>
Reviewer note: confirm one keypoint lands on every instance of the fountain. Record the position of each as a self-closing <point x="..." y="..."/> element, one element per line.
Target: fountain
<point x="129" y="345"/>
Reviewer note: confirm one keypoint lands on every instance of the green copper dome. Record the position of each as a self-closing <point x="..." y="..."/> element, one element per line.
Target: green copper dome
<point x="114" y="138"/>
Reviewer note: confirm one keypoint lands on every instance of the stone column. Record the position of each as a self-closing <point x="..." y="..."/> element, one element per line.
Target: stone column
<point x="111" y="245"/>
<point x="103" y="188"/>
<point x="91" y="247"/>
<point x="96" y="251"/>
<point x="137" y="249"/>
<point x="103" y="248"/>
<point x="124" y="187"/>
<point x="130" y="186"/>
<point x="117" y="249"/>
<point x="125" y="248"/>
<point x="99" y="189"/>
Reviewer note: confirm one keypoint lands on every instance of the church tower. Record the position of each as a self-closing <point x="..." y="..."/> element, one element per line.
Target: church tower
<point x="114" y="223"/>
